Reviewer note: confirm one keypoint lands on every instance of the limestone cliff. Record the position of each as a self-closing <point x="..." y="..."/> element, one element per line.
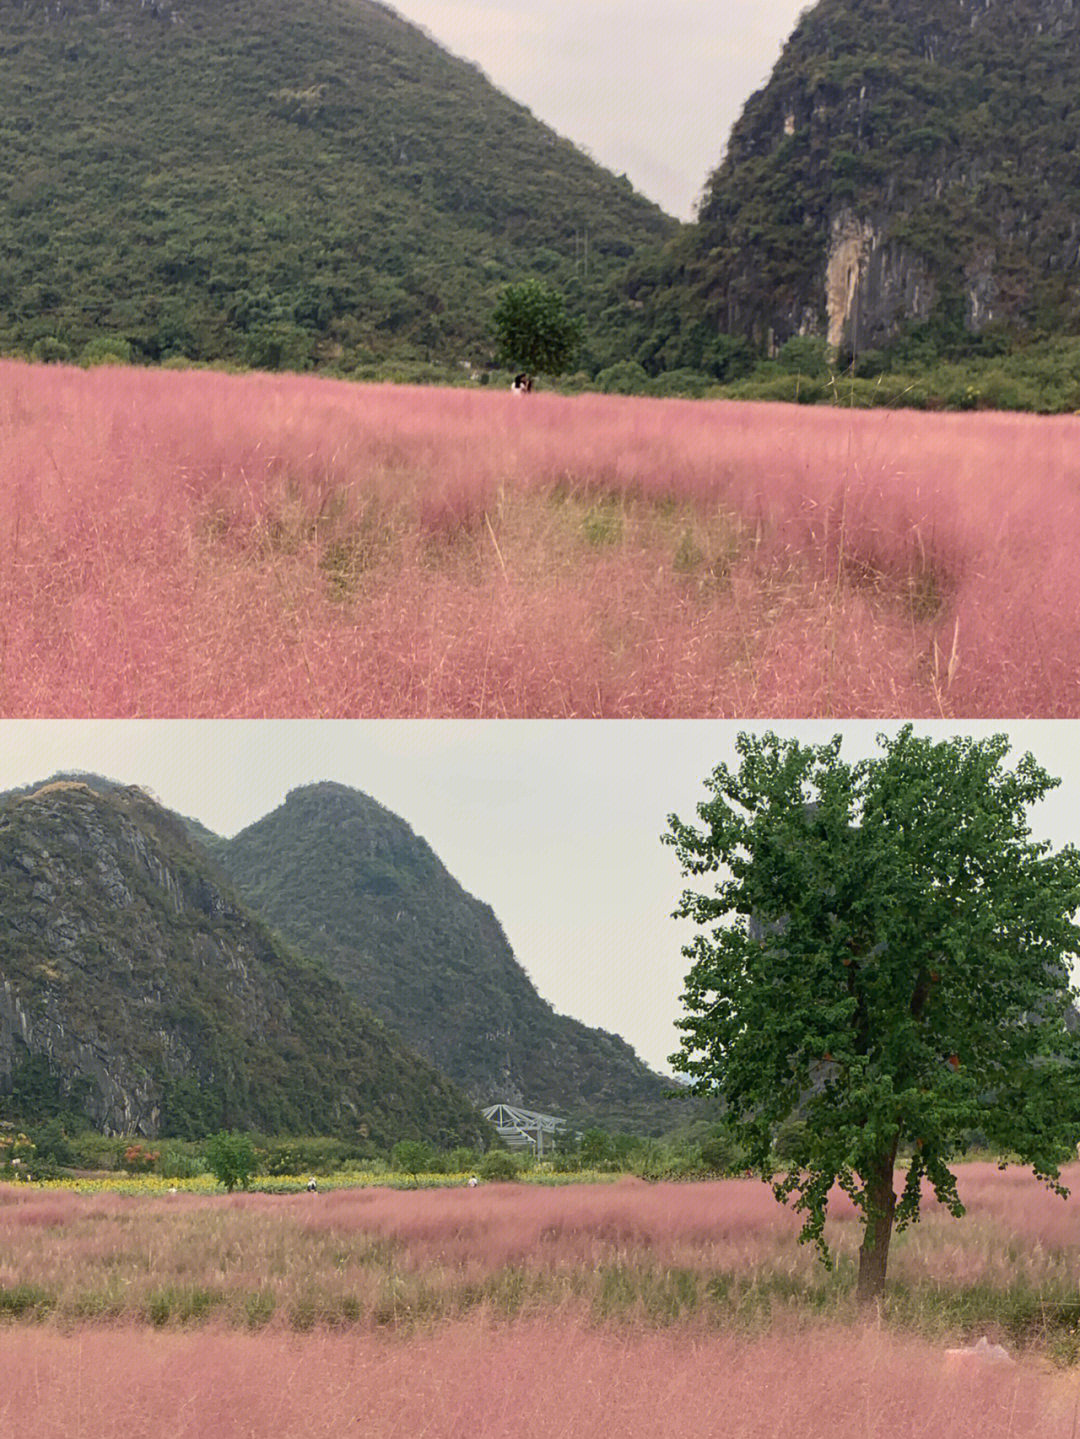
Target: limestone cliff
<point x="909" y="161"/>
<point x="161" y="1006"/>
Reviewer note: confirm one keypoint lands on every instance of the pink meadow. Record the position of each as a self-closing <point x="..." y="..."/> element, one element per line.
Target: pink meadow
<point x="201" y="544"/>
<point x="511" y="1310"/>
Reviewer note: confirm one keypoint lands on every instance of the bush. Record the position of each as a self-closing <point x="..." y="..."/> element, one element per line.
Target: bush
<point x="139" y="1159"/>
<point x="805" y="355"/>
<point x="177" y="1163"/>
<point x="230" y="1158"/>
<point x="461" y="1161"/>
<point x="720" y="1154"/>
<point x="789" y="1138"/>
<point x="626" y="377"/>
<point x="52" y="1145"/>
<point x="315" y="1155"/>
<point x="499" y="1164"/>
<point x="50" y="351"/>
<point x="690" y="383"/>
<point x="411" y="1156"/>
<point x="106" y="350"/>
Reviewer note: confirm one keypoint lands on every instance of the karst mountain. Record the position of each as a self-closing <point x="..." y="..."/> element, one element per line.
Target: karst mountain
<point x="138" y="995"/>
<point x="909" y="170"/>
<point x="279" y="182"/>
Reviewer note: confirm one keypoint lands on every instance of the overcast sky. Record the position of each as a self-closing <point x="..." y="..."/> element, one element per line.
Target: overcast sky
<point x="555" y="824"/>
<point x="651" y="88"/>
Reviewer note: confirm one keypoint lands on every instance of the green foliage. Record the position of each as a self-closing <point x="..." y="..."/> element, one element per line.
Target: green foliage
<point x="804" y="355"/>
<point x="106" y="350"/>
<point x="500" y="1164"/>
<point x="534" y="331"/>
<point x="36" y="1092"/>
<point x="625" y="377"/>
<point x="305" y="1154"/>
<point x="921" y="944"/>
<point x="52" y="1144"/>
<point x="594" y="1148"/>
<point x="411" y="1156"/>
<point x="280" y="183"/>
<point x="230" y="1158"/>
<point x="50" y="351"/>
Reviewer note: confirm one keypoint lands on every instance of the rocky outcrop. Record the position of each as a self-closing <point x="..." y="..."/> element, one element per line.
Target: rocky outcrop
<point x="160" y="1004"/>
<point x="907" y="163"/>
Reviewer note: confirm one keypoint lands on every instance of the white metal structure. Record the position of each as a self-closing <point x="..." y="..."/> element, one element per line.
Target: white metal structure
<point x="523" y="1128"/>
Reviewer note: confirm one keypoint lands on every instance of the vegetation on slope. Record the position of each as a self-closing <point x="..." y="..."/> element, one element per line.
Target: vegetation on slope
<point x="279" y="184"/>
<point x="138" y="992"/>
<point x="949" y="128"/>
<point x="349" y="882"/>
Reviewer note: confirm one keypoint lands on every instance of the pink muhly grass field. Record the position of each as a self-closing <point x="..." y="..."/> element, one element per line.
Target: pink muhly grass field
<point x="631" y="1251"/>
<point x="528" y="1380"/>
<point x="198" y="544"/>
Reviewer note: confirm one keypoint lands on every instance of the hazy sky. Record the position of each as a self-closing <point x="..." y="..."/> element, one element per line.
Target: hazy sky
<point x="651" y="88"/>
<point x="555" y="824"/>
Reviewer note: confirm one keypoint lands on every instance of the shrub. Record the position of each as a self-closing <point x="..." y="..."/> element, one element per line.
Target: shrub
<point x="626" y="377"/>
<point x="805" y="355"/>
<point x="499" y="1164"/>
<point x="139" y="1159"/>
<point x="230" y="1158"/>
<point x="681" y="382"/>
<point x="106" y="350"/>
<point x="50" y="351"/>
<point x="318" y="1154"/>
<point x="412" y="1156"/>
<point x="51" y="1142"/>
<point x="720" y="1154"/>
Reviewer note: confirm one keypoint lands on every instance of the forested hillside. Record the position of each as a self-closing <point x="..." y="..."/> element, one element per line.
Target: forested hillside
<point x="278" y="182"/>
<point x="137" y="995"/>
<point x="350" y="883"/>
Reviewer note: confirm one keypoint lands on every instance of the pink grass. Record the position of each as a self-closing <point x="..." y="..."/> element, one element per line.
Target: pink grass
<point x="532" y="1380"/>
<point x="192" y="543"/>
<point x="378" y="1257"/>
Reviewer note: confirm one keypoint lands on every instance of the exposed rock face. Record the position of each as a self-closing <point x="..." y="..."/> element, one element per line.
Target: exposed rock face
<point x="871" y="283"/>
<point x="161" y="1005"/>
<point x="908" y="161"/>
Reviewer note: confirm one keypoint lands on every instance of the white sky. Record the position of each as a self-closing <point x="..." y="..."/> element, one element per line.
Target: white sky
<point x="650" y="88"/>
<point x="555" y="824"/>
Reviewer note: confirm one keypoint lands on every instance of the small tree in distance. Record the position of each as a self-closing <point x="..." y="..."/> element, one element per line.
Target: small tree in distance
<point x="887" y="960"/>
<point x="231" y="1158"/>
<point x="534" y="332"/>
<point x="411" y="1156"/>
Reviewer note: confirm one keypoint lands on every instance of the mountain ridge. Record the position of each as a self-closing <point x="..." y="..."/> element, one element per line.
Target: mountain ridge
<point x="161" y="1007"/>
<point x="279" y="183"/>
<point x="347" y="880"/>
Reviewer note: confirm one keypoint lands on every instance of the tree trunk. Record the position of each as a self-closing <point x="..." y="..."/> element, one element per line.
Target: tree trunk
<point x="874" y="1253"/>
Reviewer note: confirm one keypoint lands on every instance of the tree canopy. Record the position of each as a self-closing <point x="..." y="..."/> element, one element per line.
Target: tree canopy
<point x="884" y="954"/>
<point x="534" y="330"/>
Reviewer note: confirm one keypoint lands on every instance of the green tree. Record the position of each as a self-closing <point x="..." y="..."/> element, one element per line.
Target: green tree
<point x="534" y="331"/>
<point x="411" y="1156"/>
<point x="231" y="1158"/>
<point x="595" y="1148"/>
<point x="885" y="957"/>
